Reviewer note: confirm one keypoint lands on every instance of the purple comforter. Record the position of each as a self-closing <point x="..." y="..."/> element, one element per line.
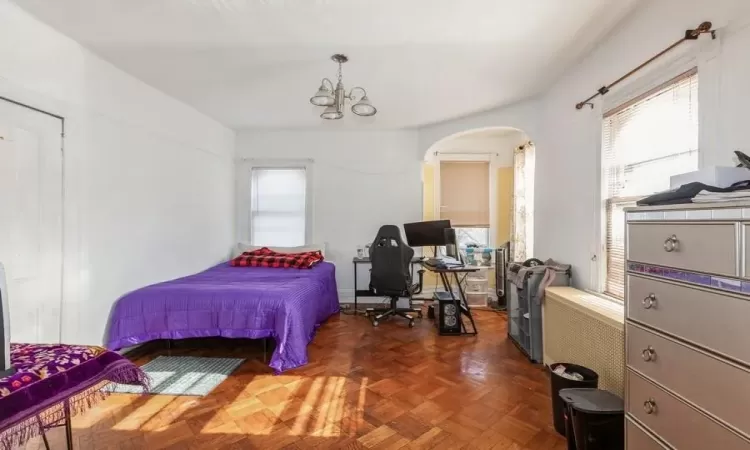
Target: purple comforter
<point x="233" y="302"/>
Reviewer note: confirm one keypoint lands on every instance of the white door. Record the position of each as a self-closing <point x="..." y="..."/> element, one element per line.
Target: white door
<point x="31" y="221"/>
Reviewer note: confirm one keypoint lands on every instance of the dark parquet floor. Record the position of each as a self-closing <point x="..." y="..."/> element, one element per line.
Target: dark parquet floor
<point x="390" y="387"/>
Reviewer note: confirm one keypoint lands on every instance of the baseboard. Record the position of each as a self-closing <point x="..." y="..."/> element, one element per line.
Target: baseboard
<point x="346" y="295"/>
<point x="346" y="300"/>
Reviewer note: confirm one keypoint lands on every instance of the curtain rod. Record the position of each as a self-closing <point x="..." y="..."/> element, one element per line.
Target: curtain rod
<point x="690" y="35"/>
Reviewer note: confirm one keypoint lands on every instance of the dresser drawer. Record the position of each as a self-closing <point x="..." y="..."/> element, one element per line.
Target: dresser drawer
<point x="718" y="387"/>
<point x="710" y="248"/>
<point x="637" y="439"/>
<point x="712" y="320"/>
<point x="680" y="425"/>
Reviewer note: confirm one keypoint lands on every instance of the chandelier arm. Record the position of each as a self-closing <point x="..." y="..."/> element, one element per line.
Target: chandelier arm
<point x="351" y="93"/>
<point x="330" y="83"/>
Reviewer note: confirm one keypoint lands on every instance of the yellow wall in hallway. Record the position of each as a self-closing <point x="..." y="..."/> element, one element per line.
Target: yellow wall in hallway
<point x="428" y="191"/>
<point x="504" y="198"/>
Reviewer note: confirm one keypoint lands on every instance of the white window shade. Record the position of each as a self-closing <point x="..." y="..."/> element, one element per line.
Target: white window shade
<point x="644" y="143"/>
<point x="278" y="206"/>
<point x="465" y="193"/>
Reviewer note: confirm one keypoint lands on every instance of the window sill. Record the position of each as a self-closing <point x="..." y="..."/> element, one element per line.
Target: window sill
<point x="594" y="305"/>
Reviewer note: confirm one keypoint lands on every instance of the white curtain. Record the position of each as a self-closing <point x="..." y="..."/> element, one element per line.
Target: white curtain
<point x="522" y="218"/>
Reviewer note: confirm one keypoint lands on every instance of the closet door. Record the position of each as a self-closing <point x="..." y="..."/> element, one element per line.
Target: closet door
<point x="31" y="221"/>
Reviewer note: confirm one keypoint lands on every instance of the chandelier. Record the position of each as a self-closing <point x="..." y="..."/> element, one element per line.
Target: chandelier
<point x="334" y="98"/>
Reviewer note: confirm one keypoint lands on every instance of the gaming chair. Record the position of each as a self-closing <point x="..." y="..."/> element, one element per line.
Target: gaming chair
<point x="390" y="275"/>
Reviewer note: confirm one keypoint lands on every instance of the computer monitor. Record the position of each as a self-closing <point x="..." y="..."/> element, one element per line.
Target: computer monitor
<point x="426" y="234"/>
<point x="451" y="244"/>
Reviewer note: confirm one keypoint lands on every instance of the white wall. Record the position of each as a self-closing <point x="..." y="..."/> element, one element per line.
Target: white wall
<point x="361" y="180"/>
<point x="149" y="190"/>
<point x="500" y="146"/>
<point x="524" y="116"/>
<point x="568" y="141"/>
<point x="568" y="203"/>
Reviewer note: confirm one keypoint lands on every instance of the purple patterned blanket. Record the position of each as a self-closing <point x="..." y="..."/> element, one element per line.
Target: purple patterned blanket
<point x="50" y="375"/>
<point x="233" y="302"/>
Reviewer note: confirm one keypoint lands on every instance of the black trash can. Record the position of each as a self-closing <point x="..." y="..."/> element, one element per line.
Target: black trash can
<point x="590" y="380"/>
<point x="595" y="419"/>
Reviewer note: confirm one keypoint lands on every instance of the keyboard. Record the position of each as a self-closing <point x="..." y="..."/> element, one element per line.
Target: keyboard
<point x="434" y="262"/>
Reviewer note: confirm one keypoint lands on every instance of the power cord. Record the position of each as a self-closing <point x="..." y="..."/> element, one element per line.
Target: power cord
<point x="352" y="312"/>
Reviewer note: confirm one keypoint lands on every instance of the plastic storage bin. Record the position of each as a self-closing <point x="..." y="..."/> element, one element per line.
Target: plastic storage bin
<point x="525" y="308"/>
<point x="474" y="285"/>
<point x="476" y="299"/>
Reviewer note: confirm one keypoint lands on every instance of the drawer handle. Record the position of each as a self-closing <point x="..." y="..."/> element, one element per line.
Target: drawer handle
<point x="649" y="301"/>
<point x="649" y="354"/>
<point x="649" y="406"/>
<point x="671" y="243"/>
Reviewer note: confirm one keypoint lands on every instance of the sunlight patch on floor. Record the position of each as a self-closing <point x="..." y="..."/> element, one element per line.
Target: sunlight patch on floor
<point x="144" y="418"/>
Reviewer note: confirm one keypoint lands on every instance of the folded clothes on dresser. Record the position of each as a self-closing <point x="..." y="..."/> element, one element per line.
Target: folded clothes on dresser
<point x="687" y="193"/>
<point x="712" y="197"/>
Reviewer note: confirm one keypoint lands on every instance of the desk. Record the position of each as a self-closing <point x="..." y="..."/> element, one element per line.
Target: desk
<point x="460" y="302"/>
<point x="367" y="292"/>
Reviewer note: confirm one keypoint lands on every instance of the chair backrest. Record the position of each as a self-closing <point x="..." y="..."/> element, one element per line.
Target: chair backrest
<point x="391" y="259"/>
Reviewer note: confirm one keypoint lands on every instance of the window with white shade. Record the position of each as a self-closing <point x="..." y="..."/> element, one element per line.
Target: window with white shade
<point x="644" y="142"/>
<point x="278" y="206"/>
<point x="465" y="200"/>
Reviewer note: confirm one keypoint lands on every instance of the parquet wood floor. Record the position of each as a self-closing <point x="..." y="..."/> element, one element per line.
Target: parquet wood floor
<point x="391" y="387"/>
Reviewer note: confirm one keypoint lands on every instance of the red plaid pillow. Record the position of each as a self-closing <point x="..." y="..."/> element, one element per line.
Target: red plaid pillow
<point x="265" y="257"/>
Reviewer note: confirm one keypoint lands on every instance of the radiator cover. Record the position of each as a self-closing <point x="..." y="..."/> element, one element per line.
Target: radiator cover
<point x="587" y="330"/>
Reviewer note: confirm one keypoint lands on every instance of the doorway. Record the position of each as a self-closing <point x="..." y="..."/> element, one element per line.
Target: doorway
<point x="31" y="223"/>
<point x="490" y="174"/>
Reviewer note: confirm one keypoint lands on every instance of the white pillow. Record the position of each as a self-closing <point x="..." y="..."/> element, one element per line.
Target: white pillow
<point x="242" y="247"/>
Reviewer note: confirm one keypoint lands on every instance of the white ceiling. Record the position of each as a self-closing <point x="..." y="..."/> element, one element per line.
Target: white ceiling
<point x="255" y="63"/>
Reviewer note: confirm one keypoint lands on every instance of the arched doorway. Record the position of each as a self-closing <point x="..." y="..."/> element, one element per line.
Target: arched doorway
<point x="507" y="156"/>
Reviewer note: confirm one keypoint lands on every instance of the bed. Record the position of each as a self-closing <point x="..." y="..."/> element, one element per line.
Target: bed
<point x="287" y="305"/>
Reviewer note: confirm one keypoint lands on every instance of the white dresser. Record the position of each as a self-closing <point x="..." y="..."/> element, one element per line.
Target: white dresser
<point x="687" y="332"/>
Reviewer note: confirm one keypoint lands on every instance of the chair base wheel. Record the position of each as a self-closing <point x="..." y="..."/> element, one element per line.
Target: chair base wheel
<point x="375" y="323"/>
<point x="411" y="323"/>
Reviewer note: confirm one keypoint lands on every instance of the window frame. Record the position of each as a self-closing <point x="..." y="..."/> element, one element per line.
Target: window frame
<point x="244" y="194"/>
<point x="631" y="93"/>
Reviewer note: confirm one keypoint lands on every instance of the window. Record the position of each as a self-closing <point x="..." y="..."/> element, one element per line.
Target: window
<point x="278" y="206"/>
<point x="644" y="142"/>
<point x="476" y="236"/>
<point x="465" y="200"/>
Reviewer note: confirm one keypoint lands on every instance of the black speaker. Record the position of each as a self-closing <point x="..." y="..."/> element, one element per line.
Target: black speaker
<point x="451" y="246"/>
<point x="447" y="315"/>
